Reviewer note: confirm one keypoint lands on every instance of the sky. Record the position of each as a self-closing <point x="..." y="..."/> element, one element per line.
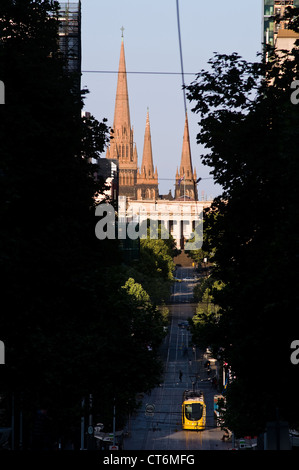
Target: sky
<point x="152" y="45"/>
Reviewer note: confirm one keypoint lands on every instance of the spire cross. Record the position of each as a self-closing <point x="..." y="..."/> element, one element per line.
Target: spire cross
<point x="122" y="31"/>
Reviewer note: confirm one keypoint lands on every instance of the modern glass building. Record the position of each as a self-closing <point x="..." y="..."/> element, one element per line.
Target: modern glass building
<point x="70" y="38"/>
<point x="270" y="27"/>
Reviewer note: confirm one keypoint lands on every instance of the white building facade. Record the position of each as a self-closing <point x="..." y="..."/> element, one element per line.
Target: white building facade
<point x="181" y="219"/>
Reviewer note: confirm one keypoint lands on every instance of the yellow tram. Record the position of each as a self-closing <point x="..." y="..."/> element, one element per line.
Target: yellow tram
<point x="193" y="410"/>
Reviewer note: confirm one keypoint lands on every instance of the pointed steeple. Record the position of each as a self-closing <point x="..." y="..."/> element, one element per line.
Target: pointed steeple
<point x="147" y="179"/>
<point x="122" y="139"/>
<point x="135" y="155"/>
<point x="185" y="184"/>
<point x="121" y="110"/>
<point x="186" y="162"/>
<point x="147" y="165"/>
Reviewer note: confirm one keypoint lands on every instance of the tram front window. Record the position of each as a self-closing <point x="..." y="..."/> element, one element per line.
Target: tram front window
<point x="193" y="411"/>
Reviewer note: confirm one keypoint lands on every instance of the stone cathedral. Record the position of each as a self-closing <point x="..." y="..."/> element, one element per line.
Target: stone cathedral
<point x="141" y="183"/>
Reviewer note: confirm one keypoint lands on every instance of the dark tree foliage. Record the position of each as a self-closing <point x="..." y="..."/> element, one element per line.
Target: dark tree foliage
<point x="65" y="321"/>
<point x="251" y="129"/>
<point x="50" y="267"/>
<point x="154" y="267"/>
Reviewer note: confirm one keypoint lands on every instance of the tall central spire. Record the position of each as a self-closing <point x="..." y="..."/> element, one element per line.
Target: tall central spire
<point x="122" y="141"/>
<point x="122" y="111"/>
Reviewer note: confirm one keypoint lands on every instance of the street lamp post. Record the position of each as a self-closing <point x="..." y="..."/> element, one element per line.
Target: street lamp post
<point x="82" y="424"/>
<point x="114" y="422"/>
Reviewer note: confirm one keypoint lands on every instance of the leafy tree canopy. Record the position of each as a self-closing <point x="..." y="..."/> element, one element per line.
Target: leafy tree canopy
<point x="69" y="327"/>
<point x="250" y="128"/>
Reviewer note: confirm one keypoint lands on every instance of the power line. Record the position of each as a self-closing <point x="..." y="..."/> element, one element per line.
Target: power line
<point x="171" y="179"/>
<point x="140" y="72"/>
<point x="181" y="54"/>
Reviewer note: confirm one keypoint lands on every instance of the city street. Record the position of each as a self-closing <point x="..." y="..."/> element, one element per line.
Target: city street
<point x="183" y="291"/>
<point x="157" y="426"/>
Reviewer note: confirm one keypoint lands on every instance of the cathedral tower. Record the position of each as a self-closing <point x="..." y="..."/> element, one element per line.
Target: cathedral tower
<point x="147" y="177"/>
<point x="121" y="144"/>
<point x="185" y="180"/>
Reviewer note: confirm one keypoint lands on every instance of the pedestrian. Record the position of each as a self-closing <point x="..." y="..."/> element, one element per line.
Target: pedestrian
<point x="225" y="436"/>
<point x="180" y="375"/>
<point x="41" y="433"/>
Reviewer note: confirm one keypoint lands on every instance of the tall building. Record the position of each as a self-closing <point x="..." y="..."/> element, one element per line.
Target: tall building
<point x="70" y="39"/>
<point x="185" y="179"/>
<point x="107" y="170"/>
<point x="273" y="29"/>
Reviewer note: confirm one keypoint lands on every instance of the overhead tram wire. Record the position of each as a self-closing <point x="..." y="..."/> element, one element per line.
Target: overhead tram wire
<point x="160" y="73"/>
<point x="182" y="66"/>
<point x="140" y="72"/>
<point x="171" y="179"/>
<point x="181" y="54"/>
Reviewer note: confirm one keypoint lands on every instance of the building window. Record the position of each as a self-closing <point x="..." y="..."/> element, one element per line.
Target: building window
<point x="269" y="10"/>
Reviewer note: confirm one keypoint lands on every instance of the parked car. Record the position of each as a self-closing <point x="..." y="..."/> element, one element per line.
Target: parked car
<point x="184" y="324"/>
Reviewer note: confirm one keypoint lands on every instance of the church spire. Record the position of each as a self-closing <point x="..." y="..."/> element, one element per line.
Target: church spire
<point x="186" y="162"/>
<point x="147" y="179"/>
<point x="122" y="140"/>
<point x="121" y="110"/>
<point x="185" y="184"/>
<point x="147" y="165"/>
